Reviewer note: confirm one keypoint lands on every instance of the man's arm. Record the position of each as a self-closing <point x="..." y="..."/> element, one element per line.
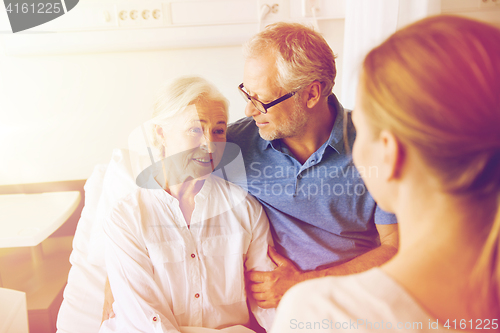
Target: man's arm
<point x="268" y="287"/>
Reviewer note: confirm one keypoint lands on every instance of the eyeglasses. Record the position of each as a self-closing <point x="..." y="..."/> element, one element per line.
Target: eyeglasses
<point x="262" y="107"/>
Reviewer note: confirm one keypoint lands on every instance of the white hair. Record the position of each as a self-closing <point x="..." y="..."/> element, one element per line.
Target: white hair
<point x="302" y="55"/>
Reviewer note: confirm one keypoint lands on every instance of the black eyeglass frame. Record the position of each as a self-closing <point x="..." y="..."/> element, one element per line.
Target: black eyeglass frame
<point x="265" y="105"/>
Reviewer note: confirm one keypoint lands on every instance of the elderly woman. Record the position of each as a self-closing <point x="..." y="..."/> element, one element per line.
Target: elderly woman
<point x="178" y="247"/>
<point x="428" y="117"/>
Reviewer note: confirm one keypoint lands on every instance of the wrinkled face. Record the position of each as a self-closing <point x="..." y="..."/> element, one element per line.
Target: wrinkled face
<point x="286" y="119"/>
<point x="368" y="155"/>
<point x="195" y="141"/>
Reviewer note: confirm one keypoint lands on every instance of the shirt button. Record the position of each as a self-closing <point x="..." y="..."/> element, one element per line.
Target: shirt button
<point x="193" y="255"/>
<point x="197" y="295"/>
<point x="155" y="318"/>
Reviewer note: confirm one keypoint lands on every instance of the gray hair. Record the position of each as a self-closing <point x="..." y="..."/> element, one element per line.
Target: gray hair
<point x="302" y="55"/>
<point x="176" y="96"/>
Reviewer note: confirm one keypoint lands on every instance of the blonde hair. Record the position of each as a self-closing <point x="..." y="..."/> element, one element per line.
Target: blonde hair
<point x="175" y="97"/>
<point x="436" y="85"/>
<point x="302" y="55"/>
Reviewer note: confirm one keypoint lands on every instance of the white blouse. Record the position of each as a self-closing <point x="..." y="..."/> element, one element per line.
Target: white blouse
<point x="164" y="275"/>
<point x="366" y="302"/>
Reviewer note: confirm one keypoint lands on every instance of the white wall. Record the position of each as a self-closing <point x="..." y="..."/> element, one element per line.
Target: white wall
<point x="62" y="114"/>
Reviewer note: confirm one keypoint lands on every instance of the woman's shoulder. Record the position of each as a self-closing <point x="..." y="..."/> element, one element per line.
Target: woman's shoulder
<point x="332" y="287"/>
<point x="134" y="204"/>
<point x="235" y="205"/>
<point x="370" y="300"/>
<point x="133" y="198"/>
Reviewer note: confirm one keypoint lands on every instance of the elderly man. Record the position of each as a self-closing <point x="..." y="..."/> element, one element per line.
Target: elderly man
<point x="296" y="143"/>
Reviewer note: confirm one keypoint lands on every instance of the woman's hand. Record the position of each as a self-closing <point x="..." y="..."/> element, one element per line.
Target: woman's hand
<point x="107" y="309"/>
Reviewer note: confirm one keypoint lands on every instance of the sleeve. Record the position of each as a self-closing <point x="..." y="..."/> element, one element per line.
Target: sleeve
<point x="383" y="217"/>
<point x="258" y="259"/>
<point x="140" y="305"/>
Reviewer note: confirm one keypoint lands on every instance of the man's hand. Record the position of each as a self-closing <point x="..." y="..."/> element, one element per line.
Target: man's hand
<point x="267" y="288"/>
<point x="107" y="309"/>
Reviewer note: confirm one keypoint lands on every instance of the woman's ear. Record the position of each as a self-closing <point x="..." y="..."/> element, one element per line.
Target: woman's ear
<point x="159" y="131"/>
<point x="393" y="155"/>
<point x="313" y="94"/>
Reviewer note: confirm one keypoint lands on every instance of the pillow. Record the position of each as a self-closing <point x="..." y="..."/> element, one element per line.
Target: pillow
<point x="118" y="182"/>
<point x="81" y="309"/>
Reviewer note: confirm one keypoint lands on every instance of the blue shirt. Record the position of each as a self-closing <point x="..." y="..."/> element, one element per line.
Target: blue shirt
<point x="321" y="213"/>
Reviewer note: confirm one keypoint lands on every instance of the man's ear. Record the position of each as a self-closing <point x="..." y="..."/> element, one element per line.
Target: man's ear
<point x="313" y="94"/>
<point x="393" y="155"/>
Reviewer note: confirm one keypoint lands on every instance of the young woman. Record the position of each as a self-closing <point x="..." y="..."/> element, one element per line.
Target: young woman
<point x="428" y="118"/>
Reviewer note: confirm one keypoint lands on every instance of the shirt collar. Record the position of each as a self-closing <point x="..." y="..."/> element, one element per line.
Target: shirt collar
<point x="264" y="144"/>
<point x="336" y="139"/>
